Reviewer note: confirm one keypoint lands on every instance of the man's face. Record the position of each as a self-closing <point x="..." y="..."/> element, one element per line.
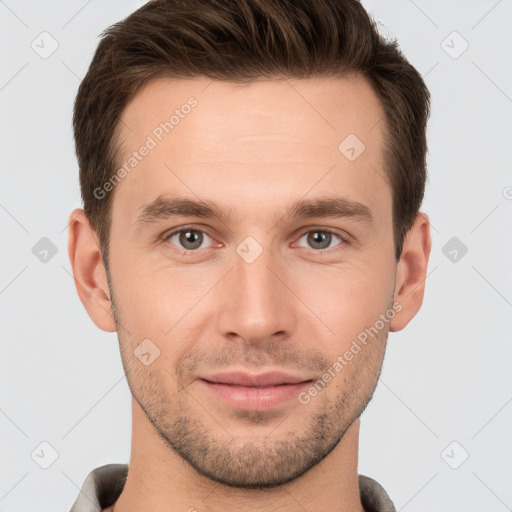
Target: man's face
<point x="262" y="289"/>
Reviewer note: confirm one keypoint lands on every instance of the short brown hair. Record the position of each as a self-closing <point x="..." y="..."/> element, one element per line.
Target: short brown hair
<point x="239" y="41"/>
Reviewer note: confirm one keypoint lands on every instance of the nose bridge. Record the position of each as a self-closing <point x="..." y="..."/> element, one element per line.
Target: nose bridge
<point x="257" y="305"/>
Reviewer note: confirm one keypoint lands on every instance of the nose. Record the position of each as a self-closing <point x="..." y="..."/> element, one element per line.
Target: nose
<point x="256" y="303"/>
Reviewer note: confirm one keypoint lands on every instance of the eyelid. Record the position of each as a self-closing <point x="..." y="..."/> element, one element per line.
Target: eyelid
<point x="344" y="237"/>
<point x="167" y="234"/>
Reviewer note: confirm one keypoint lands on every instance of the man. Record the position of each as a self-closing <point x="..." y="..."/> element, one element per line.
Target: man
<point x="252" y="173"/>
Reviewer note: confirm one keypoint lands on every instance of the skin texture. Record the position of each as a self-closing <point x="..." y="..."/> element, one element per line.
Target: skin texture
<point x="253" y="150"/>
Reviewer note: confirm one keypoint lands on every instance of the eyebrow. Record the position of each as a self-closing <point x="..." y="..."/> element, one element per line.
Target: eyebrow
<point x="165" y="207"/>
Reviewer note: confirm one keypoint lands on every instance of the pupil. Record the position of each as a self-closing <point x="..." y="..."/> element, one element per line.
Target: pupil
<point x="187" y="237"/>
<point x="319" y="237"/>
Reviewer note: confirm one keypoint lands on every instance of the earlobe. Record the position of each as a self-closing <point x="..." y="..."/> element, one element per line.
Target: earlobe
<point x="412" y="272"/>
<point x="88" y="271"/>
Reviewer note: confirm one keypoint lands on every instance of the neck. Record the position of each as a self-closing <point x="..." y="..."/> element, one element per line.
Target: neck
<point x="160" y="480"/>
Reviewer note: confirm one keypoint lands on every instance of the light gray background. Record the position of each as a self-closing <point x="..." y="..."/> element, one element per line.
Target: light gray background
<point x="446" y="377"/>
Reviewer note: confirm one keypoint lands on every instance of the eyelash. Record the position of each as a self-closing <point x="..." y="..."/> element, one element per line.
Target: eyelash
<point x="190" y="252"/>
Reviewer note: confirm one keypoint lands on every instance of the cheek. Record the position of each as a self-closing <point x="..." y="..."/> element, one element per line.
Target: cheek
<point x="162" y="303"/>
<point x="345" y="298"/>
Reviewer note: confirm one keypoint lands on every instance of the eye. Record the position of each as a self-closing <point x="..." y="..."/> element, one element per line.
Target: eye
<point x="320" y="239"/>
<point x="187" y="238"/>
<point x="191" y="240"/>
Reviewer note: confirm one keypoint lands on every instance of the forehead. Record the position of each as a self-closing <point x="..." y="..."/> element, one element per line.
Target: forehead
<point x="307" y="108"/>
<point x="286" y="134"/>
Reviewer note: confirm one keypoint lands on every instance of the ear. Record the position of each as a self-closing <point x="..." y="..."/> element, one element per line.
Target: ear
<point x="88" y="271"/>
<point x="412" y="272"/>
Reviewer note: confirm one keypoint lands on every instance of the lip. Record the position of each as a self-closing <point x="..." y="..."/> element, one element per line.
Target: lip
<point x="267" y="379"/>
<point x="254" y="392"/>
